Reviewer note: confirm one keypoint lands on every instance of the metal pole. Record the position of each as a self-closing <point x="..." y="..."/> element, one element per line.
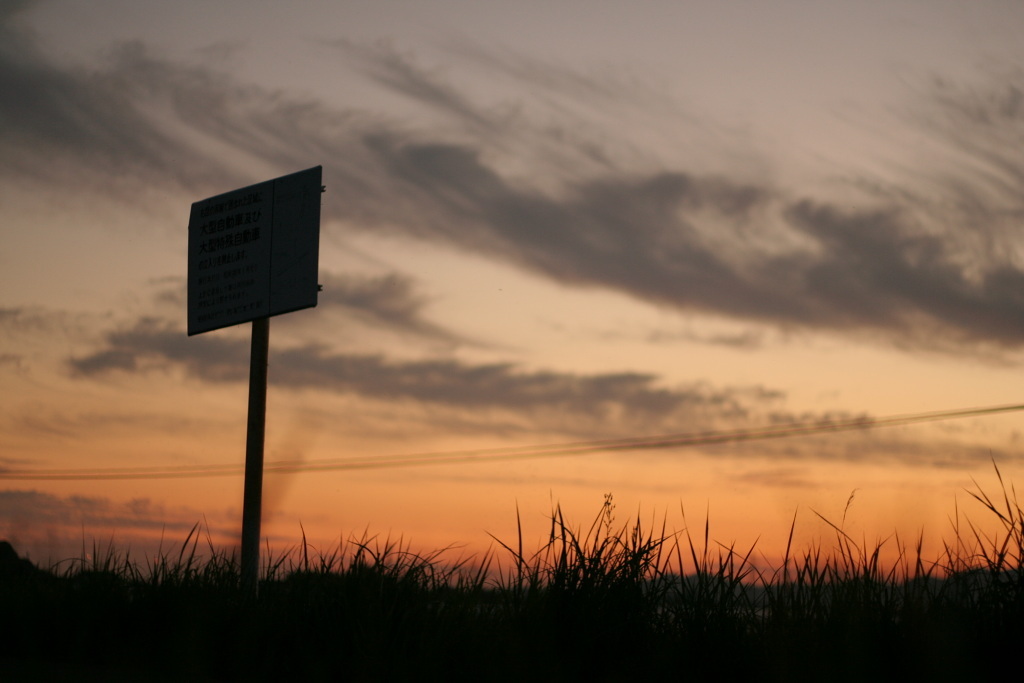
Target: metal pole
<point x="253" y="496"/>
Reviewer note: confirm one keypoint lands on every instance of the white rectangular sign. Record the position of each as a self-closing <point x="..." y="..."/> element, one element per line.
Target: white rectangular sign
<point x="254" y="252"/>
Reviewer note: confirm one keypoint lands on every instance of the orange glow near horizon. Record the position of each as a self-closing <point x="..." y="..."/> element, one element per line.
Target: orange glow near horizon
<point x="465" y="509"/>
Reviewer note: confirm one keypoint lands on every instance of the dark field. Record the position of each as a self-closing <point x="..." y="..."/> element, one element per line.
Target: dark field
<point x="597" y="603"/>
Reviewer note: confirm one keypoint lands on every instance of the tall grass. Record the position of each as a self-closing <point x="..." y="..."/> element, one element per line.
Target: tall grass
<point x="603" y="601"/>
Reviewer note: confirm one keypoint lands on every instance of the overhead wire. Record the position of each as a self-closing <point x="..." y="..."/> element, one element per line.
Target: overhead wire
<point x="662" y="441"/>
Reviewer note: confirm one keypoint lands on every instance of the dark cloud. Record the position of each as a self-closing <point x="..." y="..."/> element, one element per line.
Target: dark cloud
<point x="748" y="340"/>
<point x="152" y="342"/>
<point x="401" y="73"/>
<point x="984" y="121"/>
<point x="627" y="233"/>
<point x="51" y="116"/>
<point x="49" y="528"/>
<point x="776" y="464"/>
<point x="14" y="36"/>
<point x="25" y="319"/>
<point x="452" y="383"/>
<point x="88" y="127"/>
<point x="606" y="88"/>
<point x="896" y="271"/>
<point x="12" y="360"/>
<point x="113" y="359"/>
<point x="874" y="269"/>
<point x="47" y="509"/>
<point x="629" y="400"/>
<point x="37" y="322"/>
<point x="172" y="291"/>
<point x="388" y="301"/>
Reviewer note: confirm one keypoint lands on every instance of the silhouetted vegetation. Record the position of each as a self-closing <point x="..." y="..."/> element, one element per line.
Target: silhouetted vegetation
<point x="607" y="603"/>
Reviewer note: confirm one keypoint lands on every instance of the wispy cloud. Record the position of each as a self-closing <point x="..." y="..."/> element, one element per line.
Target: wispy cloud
<point x="748" y="340"/>
<point x="45" y="509"/>
<point x="50" y="528"/>
<point x="685" y="238"/>
<point x="389" y="301"/>
<point x="155" y="343"/>
<point x="616" y="400"/>
<point x="383" y="64"/>
<point x="58" y="120"/>
<point x="11" y="360"/>
<point x="28" y="329"/>
<point x="44" y="426"/>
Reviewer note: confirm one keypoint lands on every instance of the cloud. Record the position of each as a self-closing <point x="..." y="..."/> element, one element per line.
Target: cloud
<point x="387" y="67"/>
<point x="627" y="233"/>
<point x="50" y="528"/>
<point x="388" y="301"/>
<point x="748" y="340"/>
<point x="453" y="383"/>
<point x="133" y="122"/>
<point x="613" y="400"/>
<point x="76" y="510"/>
<point x="154" y="343"/>
<point x="27" y="319"/>
<point x="95" y="118"/>
<point x="983" y="121"/>
<point x="36" y="324"/>
<point x="12" y="360"/>
<point x="872" y="271"/>
<point x="895" y="271"/>
<point x="695" y="241"/>
<point x="113" y="359"/>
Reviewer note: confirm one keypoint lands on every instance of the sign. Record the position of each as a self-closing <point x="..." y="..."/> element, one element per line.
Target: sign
<point x="254" y="252"/>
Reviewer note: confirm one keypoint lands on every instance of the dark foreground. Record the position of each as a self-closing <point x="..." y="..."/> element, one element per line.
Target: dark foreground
<point x="596" y="606"/>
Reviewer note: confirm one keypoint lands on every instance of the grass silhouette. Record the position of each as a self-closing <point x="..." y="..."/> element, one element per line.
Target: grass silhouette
<point x="598" y="602"/>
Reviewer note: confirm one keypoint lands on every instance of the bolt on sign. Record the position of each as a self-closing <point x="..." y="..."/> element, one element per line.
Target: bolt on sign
<point x="254" y="252"/>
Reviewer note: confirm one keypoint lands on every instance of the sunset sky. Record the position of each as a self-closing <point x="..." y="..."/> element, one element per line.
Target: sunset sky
<point x="544" y="223"/>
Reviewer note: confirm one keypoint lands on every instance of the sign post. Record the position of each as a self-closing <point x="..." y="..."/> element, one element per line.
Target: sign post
<point x="252" y="498"/>
<point x="254" y="253"/>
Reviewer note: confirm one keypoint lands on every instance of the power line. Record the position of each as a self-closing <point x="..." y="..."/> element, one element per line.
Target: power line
<point x="503" y="454"/>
